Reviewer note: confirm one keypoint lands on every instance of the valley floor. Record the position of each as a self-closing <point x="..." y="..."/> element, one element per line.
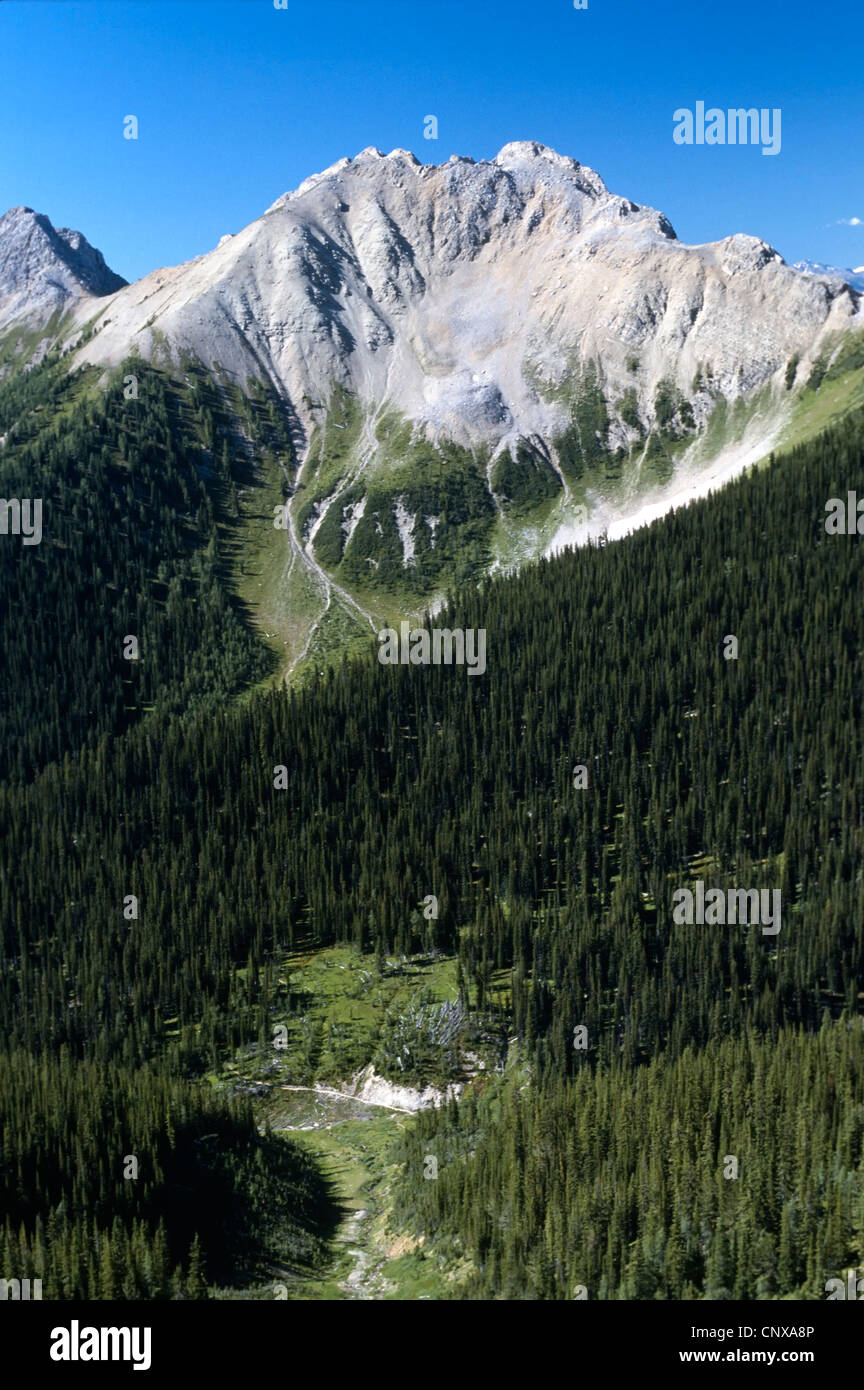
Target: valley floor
<point x="351" y="1139"/>
<point x="369" y="1262"/>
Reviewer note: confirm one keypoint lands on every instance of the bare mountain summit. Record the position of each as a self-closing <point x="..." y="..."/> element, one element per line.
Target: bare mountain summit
<point x="44" y="269"/>
<point x="463" y="294"/>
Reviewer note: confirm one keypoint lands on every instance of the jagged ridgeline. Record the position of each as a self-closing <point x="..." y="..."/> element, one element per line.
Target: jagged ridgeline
<point x="555" y="900"/>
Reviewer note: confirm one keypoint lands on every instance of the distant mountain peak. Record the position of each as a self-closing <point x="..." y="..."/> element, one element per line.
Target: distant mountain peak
<point x="855" y="277"/>
<point x="467" y="294"/>
<point x="473" y="298"/>
<point x="45" y="268"/>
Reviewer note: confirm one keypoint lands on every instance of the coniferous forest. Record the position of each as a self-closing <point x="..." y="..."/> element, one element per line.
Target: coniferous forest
<point x="171" y="826"/>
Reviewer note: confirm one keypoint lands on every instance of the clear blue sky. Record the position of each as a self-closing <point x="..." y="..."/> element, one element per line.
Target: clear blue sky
<point x="238" y="102"/>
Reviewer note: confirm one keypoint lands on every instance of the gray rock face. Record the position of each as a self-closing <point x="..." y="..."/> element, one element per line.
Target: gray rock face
<point x="464" y="294"/>
<point x="44" y="269"/>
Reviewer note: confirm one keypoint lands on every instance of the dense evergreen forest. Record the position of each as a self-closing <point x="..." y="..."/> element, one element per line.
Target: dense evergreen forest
<point x="120" y="1183"/>
<point x="733" y="1171"/>
<point x="134" y="491"/>
<point x="599" y="1165"/>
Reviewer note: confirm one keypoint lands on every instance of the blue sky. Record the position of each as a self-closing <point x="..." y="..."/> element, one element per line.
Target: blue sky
<point x="238" y="102"/>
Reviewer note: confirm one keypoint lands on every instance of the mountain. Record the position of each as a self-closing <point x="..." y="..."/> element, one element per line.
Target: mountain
<point x="476" y="363"/>
<point x="462" y="295"/>
<point x="45" y="269"/>
<point x="384" y="268"/>
<point x="855" y="277"/>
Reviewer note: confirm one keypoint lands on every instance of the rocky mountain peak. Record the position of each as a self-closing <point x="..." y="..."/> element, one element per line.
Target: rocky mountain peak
<point x="45" y="268"/>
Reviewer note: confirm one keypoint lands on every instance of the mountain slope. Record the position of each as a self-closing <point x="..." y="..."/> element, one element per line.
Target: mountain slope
<point x="44" y="270"/>
<point x="476" y="363"/>
<point x="555" y="905"/>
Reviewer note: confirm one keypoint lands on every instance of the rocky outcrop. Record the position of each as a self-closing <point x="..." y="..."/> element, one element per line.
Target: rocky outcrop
<point x="376" y="1090"/>
<point x="45" y="269"/>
